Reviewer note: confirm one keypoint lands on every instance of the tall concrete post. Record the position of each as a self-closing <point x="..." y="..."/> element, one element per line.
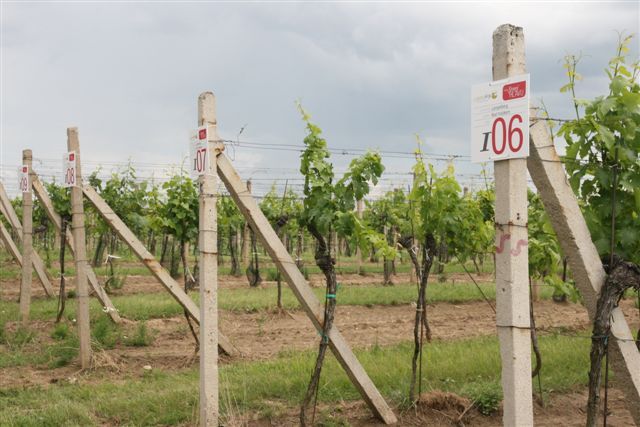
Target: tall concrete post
<point x="27" y="241"/>
<point x="208" y="247"/>
<point x="512" y="255"/>
<point x="80" y="253"/>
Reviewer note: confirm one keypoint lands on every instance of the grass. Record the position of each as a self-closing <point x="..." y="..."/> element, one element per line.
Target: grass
<point x="140" y="338"/>
<point x="23" y="346"/>
<point x="105" y="333"/>
<point x="19" y="352"/>
<point x="129" y="265"/>
<point x="162" y="305"/>
<point x="467" y="367"/>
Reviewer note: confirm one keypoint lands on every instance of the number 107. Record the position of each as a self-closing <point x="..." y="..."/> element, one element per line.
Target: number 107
<point x="200" y="161"/>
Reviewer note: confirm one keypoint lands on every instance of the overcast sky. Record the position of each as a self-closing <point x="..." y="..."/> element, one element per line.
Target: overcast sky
<point x="371" y="74"/>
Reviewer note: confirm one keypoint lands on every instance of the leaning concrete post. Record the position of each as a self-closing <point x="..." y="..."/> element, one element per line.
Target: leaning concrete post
<point x="550" y="178"/>
<point x="8" y="243"/>
<point x="80" y="253"/>
<point x="512" y="271"/>
<point x="301" y="289"/>
<point x="208" y="246"/>
<point x="27" y="239"/>
<point x="55" y="219"/>
<point x="10" y="215"/>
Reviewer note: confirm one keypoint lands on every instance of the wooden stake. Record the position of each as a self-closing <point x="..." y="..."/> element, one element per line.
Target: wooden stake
<point x="102" y="296"/>
<point x="512" y="265"/>
<point x="301" y="289"/>
<point x="151" y="263"/>
<point x="27" y="244"/>
<point x="80" y="256"/>
<point x="575" y="240"/>
<point x="208" y="242"/>
<point x="38" y="265"/>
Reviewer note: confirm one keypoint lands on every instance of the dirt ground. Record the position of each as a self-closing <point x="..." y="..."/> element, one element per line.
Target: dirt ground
<point x="444" y="409"/>
<point x="263" y="335"/>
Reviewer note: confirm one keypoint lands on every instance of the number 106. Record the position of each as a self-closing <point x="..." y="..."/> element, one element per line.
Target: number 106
<point x="502" y="135"/>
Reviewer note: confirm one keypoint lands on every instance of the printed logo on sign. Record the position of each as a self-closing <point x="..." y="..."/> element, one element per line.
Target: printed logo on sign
<point x="514" y="90"/>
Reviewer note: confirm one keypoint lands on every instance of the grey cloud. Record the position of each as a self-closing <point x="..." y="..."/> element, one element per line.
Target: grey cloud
<point x="371" y="74"/>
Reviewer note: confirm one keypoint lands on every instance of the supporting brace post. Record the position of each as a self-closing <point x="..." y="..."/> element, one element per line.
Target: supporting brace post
<point x="561" y="204"/>
<point x="301" y="289"/>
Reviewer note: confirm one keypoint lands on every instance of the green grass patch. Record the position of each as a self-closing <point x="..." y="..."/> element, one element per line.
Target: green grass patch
<point x="129" y="265"/>
<point x="162" y="305"/>
<point x="105" y="333"/>
<point x="468" y="367"/>
<point x="140" y="338"/>
<point x="18" y="352"/>
<point x="60" y="332"/>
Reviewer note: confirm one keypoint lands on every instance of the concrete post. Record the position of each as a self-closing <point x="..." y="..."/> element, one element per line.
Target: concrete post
<point x="80" y="254"/>
<point x="147" y="258"/>
<point x="550" y="178"/>
<point x="512" y="265"/>
<point x="46" y="203"/>
<point x="16" y="227"/>
<point x="27" y="242"/>
<point x="208" y="246"/>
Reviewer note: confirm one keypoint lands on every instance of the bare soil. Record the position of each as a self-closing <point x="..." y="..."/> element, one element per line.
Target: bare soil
<point x="263" y="335"/>
<point x="444" y="409"/>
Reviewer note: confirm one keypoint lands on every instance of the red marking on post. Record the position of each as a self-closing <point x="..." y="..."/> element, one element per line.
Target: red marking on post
<point x="72" y="157"/>
<point x="519" y="245"/>
<point x="503" y="238"/>
<point x="514" y="90"/>
<point x="24" y="169"/>
<point x="202" y="134"/>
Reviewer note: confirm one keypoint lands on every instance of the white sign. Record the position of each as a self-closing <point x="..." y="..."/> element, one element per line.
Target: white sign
<point x="199" y="152"/>
<point x="500" y="119"/>
<point x="23" y="179"/>
<point x="69" y="169"/>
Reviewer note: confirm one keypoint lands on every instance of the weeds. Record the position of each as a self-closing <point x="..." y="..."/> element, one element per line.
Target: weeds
<point x="60" y="332"/>
<point x="18" y="339"/>
<point x="64" y="352"/>
<point x="141" y="337"/>
<point x="105" y="334"/>
<point x="466" y="367"/>
<point x="486" y="397"/>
